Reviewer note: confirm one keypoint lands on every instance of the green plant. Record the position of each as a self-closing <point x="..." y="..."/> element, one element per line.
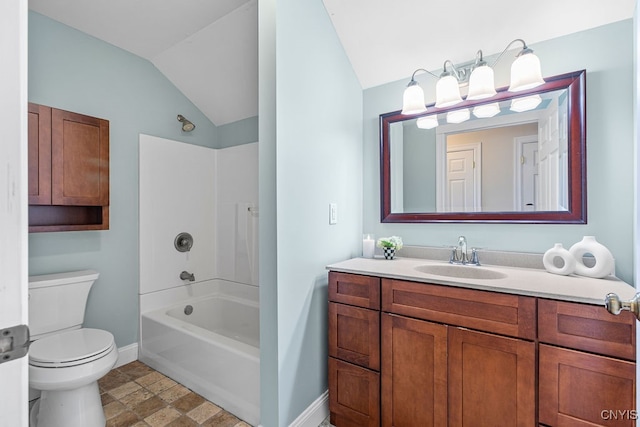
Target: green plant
<point x="393" y="242"/>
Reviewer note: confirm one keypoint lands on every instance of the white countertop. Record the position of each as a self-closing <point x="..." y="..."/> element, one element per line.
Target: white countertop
<point x="522" y="281"/>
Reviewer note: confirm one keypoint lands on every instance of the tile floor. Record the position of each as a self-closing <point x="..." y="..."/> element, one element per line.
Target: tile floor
<point x="134" y="395"/>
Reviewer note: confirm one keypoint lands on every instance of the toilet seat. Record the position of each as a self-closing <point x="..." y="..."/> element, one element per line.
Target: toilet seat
<point x="71" y="348"/>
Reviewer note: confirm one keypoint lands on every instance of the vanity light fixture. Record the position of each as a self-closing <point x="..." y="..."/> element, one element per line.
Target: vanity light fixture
<point x="525" y="74"/>
<point x="187" y="126"/>
<point x="458" y="116"/>
<point x="486" y="111"/>
<point x="526" y="103"/>
<point x="427" y="122"/>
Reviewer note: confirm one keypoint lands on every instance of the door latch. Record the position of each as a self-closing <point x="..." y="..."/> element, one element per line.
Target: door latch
<point x="14" y="342"/>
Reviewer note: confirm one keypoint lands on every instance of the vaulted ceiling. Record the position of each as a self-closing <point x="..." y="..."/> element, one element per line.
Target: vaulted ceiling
<point x="209" y="48"/>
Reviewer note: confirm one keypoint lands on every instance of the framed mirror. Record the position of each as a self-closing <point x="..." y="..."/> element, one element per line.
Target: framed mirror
<point x="512" y="158"/>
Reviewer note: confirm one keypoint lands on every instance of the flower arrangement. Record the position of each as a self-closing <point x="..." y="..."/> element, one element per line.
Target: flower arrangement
<point x="393" y="242"/>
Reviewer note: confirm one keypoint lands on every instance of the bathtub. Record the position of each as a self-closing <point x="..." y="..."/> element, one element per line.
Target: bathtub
<point x="213" y="350"/>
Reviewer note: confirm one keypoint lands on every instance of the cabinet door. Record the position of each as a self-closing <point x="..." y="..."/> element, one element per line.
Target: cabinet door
<point x="80" y="159"/>
<point x="582" y="389"/>
<point x="414" y="372"/>
<point x="39" y="155"/>
<point x="354" y="335"/>
<point x="492" y="380"/>
<point x="354" y="395"/>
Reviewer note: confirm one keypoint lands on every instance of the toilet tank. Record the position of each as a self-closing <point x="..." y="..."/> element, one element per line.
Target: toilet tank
<point x="57" y="301"/>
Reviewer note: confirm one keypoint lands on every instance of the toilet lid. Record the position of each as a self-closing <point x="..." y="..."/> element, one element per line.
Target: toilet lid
<point x="70" y="348"/>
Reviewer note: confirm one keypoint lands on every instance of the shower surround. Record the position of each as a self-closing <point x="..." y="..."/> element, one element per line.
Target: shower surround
<point x="211" y="194"/>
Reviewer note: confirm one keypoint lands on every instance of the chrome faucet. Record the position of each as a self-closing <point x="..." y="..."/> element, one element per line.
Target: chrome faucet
<point x="460" y="254"/>
<point x="462" y="246"/>
<point x="185" y="275"/>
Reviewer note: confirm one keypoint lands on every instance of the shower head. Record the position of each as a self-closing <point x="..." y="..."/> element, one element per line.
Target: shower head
<point x="187" y="126"/>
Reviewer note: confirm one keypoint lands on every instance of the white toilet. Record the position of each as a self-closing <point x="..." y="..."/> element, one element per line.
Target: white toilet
<point x="65" y="360"/>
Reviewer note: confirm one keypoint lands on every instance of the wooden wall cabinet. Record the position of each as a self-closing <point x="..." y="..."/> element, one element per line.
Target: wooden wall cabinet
<point x="68" y="171"/>
<point x="460" y="357"/>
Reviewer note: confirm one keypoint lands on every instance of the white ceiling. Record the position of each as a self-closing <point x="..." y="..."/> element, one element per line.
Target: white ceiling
<point x="209" y="48"/>
<point x="386" y="40"/>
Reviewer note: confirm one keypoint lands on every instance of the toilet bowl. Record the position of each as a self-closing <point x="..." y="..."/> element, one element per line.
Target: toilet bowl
<point x="66" y="368"/>
<point x="66" y="360"/>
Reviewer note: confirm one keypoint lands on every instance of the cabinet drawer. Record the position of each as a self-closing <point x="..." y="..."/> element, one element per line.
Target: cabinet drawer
<point x="587" y="327"/>
<point x="354" y="395"/>
<point x="504" y="314"/>
<point x="354" y="289"/>
<point x="354" y="335"/>
<point x="579" y="389"/>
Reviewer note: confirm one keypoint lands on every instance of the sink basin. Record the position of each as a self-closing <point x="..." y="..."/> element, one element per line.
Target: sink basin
<point x="461" y="271"/>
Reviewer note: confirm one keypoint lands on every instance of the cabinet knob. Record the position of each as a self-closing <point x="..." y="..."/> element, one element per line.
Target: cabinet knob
<point x="614" y="305"/>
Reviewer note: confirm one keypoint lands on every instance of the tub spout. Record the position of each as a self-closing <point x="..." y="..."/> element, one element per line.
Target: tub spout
<point x="185" y="275"/>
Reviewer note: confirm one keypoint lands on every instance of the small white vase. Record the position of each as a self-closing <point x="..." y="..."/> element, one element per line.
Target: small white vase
<point x="557" y="251"/>
<point x="604" y="262"/>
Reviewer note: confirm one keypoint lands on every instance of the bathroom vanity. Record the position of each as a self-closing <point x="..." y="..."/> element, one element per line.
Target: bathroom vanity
<point x="414" y="342"/>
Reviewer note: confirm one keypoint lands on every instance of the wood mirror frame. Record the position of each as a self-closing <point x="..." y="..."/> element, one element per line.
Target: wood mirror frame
<point x="575" y="83"/>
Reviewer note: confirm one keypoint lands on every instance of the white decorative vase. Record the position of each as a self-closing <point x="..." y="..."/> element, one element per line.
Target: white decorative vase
<point x="557" y="251"/>
<point x="604" y="263"/>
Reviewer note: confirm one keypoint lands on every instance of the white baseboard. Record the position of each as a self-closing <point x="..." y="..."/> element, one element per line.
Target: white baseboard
<point x="127" y="354"/>
<point x="314" y="414"/>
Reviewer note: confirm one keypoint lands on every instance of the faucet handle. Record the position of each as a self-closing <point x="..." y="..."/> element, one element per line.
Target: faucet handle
<point x="453" y="257"/>
<point x="474" y="256"/>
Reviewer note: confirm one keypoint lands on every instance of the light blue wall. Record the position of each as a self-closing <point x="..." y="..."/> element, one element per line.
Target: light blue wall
<point x="238" y="133"/>
<point x="268" y="237"/>
<point x="314" y="157"/>
<point x="606" y="54"/>
<point x="73" y="71"/>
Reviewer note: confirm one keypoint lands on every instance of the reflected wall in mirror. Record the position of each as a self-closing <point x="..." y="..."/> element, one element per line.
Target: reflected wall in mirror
<point x="516" y="157"/>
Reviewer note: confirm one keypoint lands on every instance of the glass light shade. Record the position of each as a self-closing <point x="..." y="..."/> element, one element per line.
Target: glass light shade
<point x="487" y="110"/>
<point x="525" y="73"/>
<point x="428" y="122"/>
<point x="481" y="83"/>
<point x="447" y="92"/>
<point x="413" y="99"/>
<point x="526" y="103"/>
<point x="458" y="116"/>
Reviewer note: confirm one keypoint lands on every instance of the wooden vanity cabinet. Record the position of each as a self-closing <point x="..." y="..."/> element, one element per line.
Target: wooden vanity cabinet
<point x="587" y="368"/>
<point x="68" y="170"/>
<point x="354" y="350"/>
<point x="452" y="356"/>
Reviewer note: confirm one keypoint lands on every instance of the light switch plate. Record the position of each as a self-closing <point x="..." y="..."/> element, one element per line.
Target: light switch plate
<point x="333" y="213"/>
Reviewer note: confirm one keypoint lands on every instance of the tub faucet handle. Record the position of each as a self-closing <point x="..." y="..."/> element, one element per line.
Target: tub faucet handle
<point x="185" y="275"/>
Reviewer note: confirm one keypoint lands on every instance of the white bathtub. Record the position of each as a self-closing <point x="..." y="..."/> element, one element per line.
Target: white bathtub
<point x="214" y="351"/>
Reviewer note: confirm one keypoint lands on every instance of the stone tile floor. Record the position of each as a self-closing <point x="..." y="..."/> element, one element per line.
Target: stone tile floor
<point x="135" y="395"/>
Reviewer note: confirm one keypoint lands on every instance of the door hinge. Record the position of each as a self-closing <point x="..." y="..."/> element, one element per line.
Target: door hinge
<point x="522" y="160"/>
<point x="14" y="343"/>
